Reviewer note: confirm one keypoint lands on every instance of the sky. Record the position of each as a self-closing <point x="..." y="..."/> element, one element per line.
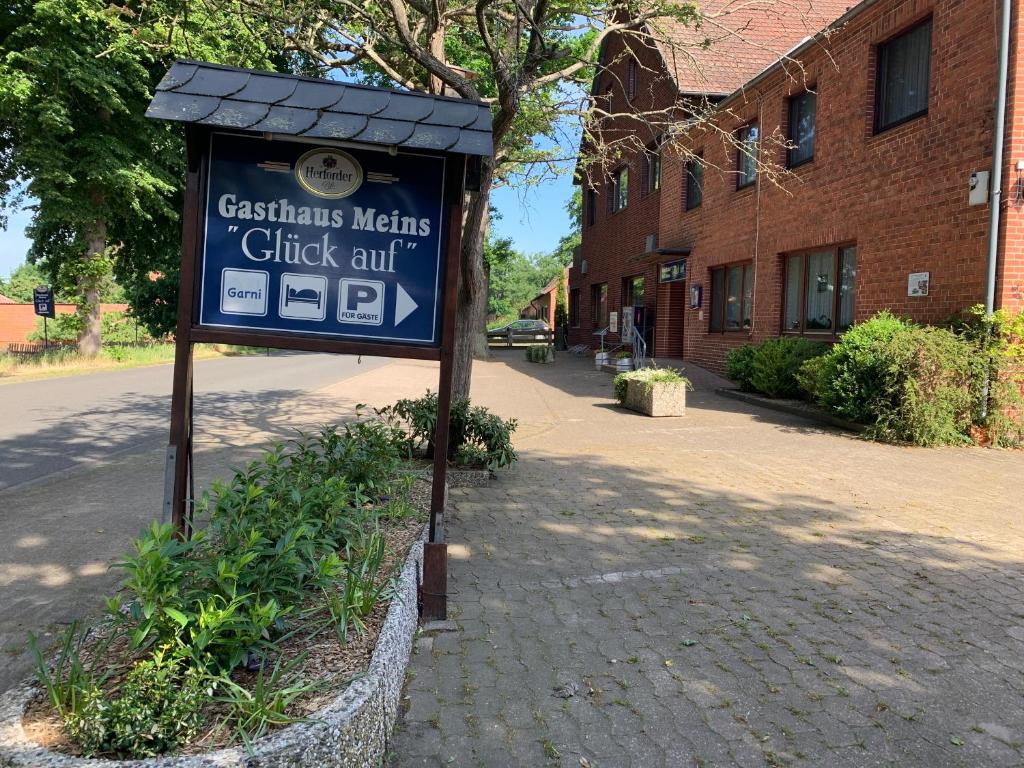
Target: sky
<point x="535" y="219"/>
<point x="13" y="243"/>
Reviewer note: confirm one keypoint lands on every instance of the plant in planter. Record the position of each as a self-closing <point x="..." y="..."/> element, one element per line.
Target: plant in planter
<point x="308" y="537"/>
<point x="601" y="358"/>
<point x="653" y="391"/>
<point x="624" y="361"/>
<point x="540" y="353"/>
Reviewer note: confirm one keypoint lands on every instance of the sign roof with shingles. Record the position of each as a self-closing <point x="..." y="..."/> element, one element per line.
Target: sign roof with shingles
<point x="288" y="105"/>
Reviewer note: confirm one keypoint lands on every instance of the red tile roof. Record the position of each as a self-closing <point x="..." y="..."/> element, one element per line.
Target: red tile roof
<point x="737" y="39"/>
<point x="6" y="300"/>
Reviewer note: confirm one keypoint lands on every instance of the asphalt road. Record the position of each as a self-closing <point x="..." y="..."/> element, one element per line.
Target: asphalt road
<point x="53" y="425"/>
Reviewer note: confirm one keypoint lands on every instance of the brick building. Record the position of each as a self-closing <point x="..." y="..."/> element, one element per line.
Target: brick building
<point x="847" y="169"/>
<point x="544" y="305"/>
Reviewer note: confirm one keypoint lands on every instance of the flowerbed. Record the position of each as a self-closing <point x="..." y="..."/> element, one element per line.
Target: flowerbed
<point x="259" y="620"/>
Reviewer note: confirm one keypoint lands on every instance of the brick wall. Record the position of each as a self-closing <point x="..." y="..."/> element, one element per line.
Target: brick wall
<point x="900" y="196"/>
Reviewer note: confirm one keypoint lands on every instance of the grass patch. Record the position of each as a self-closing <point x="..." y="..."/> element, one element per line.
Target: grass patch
<point x="67" y="362"/>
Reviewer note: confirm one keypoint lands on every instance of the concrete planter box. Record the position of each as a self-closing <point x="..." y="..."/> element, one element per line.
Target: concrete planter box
<point x="657" y="399"/>
<point x="353" y="730"/>
<point x="600" y="359"/>
<point x="549" y="356"/>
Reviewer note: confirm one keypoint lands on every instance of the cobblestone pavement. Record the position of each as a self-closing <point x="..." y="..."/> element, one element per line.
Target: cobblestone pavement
<point x="737" y="587"/>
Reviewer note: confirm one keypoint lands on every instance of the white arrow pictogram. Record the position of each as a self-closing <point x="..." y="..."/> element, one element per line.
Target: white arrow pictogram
<point x="404" y="305"/>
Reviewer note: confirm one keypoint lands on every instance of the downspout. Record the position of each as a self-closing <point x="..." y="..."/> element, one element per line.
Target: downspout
<point x="757" y="220"/>
<point x="997" y="160"/>
<point x="995" y="204"/>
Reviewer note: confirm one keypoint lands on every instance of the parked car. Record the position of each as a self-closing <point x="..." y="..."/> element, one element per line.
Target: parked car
<point x="523" y="330"/>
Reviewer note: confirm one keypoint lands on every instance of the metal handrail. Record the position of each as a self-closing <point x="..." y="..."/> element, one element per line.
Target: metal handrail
<point x="639" y="350"/>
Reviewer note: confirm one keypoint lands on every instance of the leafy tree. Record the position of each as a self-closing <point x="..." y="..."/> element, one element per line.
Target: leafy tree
<point x="75" y="79"/>
<point x="513" y="279"/>
<point x="23" y="280"/>
<point x="533" y="59"/>
<point x="28" y="276"/>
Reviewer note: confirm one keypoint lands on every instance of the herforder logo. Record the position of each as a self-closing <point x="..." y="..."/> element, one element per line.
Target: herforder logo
<point x="329" y="173"/>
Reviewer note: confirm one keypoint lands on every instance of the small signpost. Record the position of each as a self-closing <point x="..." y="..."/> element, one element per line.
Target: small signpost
<point x="325" y="217"/>
<point x="42" y="298"/>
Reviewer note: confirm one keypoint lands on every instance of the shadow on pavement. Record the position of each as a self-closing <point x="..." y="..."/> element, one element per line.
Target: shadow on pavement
<point x="627" y="615"/>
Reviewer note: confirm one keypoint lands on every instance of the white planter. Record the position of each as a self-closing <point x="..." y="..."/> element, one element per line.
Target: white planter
<point x="657" y="398"/>
<point x="600" y="358"/>
<point x="624" y="364"/>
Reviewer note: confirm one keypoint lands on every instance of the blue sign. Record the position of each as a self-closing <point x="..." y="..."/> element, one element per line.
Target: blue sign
<point x="308" y="239"/>
<point x="42" y="298"/>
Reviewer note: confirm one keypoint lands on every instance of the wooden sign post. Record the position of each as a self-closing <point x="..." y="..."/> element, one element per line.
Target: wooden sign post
<point x="323" y="217"/>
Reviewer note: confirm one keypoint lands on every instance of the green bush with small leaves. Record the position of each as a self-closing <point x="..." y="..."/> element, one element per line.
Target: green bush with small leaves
<point x="772" y="367"/>
<point x="739" y="363"/>
<point x="998" y="408"/>
<point x="851" y="378"/>
<point x="115" y="328"/>
<point x="475" y="435"/>
<point x="776" y="363"/>
<point x="157" y="708"/>
<point x="907" y="383"/>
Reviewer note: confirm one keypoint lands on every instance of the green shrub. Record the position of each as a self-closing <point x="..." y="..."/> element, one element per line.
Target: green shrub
<point x="647" y="377"/>
<point x="115" y="327"/>
<point x="998" y="408"/>
<point x="474" y="433"/>
<point x="619" y="385"/>
<point x="66" y="327"/>
<point x="927" y="396"/>
<point x="812" y="378"/>
<point x="157" y="708"/>
<point x="852" y="377"/>
<point x="776" y="362"/>
<point x="907" y="383"/>
<point x="739" y="363"/>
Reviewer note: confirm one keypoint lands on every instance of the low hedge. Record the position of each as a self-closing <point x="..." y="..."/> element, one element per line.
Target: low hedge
<point x="906" y="382"/>
<point x="921" y="384"/>
<point x="772" y="366"/>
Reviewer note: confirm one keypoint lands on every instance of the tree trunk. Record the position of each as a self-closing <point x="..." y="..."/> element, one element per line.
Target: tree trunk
<point x="89" y="285"/>
<point x="471" y="311"/>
